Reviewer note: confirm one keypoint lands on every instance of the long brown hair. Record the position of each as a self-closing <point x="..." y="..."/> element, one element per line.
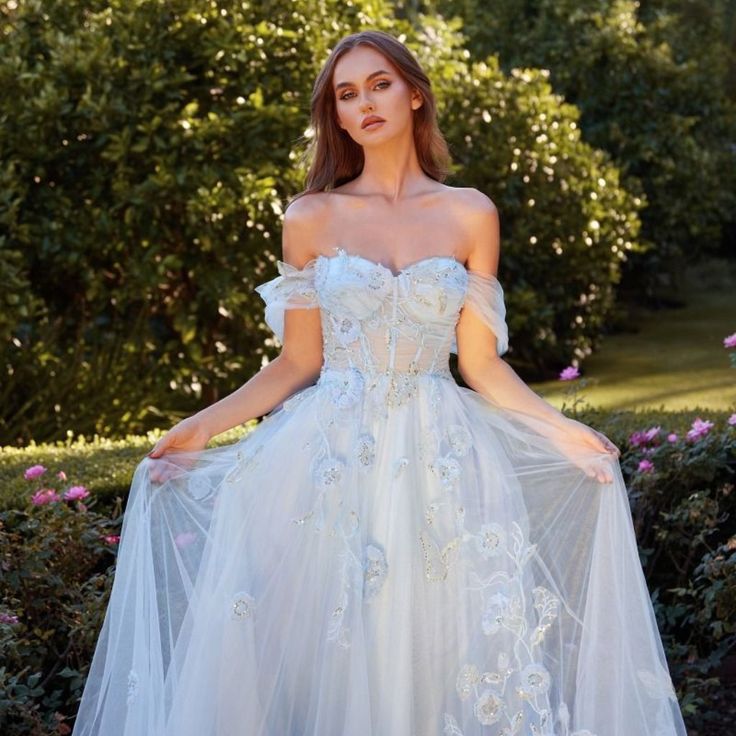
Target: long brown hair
<point x="335" y="157"/>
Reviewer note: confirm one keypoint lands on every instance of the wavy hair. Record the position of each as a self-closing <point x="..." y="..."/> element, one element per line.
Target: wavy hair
<point x="335" y="157"/>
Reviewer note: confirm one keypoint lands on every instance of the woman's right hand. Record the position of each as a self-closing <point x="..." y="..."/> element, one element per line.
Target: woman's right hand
<point x="189" y="435"/>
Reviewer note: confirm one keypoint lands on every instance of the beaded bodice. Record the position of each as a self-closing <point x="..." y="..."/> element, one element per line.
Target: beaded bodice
<point x="376" y="321"/>
<point x="384" y="326"/>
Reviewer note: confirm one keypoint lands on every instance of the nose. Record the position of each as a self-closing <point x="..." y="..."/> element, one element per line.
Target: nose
<point x="366" y="104"/>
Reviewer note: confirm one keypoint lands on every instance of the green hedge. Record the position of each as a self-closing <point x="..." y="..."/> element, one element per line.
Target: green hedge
<point x="147" y="148"/>
<point x="652" y="81"/>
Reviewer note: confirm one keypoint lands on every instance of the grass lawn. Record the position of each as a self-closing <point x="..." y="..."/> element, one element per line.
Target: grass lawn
<point x="674" y="360"/>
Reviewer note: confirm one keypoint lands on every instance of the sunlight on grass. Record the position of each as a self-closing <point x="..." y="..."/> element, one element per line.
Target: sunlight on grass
<point x="676" y="359"/>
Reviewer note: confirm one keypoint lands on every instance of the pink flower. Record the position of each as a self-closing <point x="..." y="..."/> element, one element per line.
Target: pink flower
<point x="76" y="493"/>
<point x="61" y="475"/>
<point x="732" y="420"/>
<point x="730" y="341"/>
<point x="35" y="471"/>
<point x="639" y="438"/>
<point x="8" y="618"/>
<point x="699" y="429"/>
<point x="646" y="466"/>
<point x="184" y="539"/>
<point x="672" y="437"/>
<point x="43" y="496"/>
<point x="111" y="538"/>
<point x="569" y="373"/>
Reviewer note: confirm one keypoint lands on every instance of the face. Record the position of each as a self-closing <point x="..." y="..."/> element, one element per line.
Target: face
<point x="366" y="83"/>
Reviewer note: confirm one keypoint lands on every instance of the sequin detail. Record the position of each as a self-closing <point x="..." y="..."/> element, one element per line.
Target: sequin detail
<point x="242" y="606"/>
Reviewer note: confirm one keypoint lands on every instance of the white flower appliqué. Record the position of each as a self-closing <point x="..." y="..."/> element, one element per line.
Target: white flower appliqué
<point x="447" y="469"/>
<point x="488" y="708"/>
<point x="495" y="614"/>
<point x="133" y="683"/>
<point x="328" y="472"/>
<point x="492" y="540"/>
<point x="345" y="387"/>
<point x="365" y="450"/>
<point x="242" y="606"/>
<point x="535" y="680"/>
<point x="375" y="567"/>
<point x="459" y="439"/>
<point x="347" y="330"/>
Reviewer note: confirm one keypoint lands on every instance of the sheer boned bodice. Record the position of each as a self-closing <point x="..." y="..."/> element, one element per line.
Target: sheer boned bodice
<point x="381" y="325"/>
<point x="373" y="318"/>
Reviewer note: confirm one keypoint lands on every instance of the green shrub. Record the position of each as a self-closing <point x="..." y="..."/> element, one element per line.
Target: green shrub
<point x="56" y="570"/>
<point x="106" y="465"/>
<point x="651" y="82"/>
<point x="145" y="154"/>
<point x="566" y="223"/>
<point x="143" y="179"/>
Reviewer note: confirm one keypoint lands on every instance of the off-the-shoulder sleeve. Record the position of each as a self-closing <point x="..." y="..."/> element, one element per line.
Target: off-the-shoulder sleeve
<point x="293" y="288"/>
<point x="485" y="297"/>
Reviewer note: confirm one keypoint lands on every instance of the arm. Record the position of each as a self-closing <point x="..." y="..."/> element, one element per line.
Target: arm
<point x="486" y="372"/>
<point x="296" y="367"/>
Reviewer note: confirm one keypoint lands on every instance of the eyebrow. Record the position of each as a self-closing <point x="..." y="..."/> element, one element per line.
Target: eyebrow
<point x="339" y="85"/>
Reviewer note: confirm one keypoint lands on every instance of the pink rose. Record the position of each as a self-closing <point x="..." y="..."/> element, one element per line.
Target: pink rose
<point x="699" y="429"/>
<point x="76" y="493"/>
<point x="35" y="471"/>
<point x="44" y="496"/>
<point x="8" y="618"/>
<point x="111" y="538"/>
<point x="646" y="466"/>
<point x="672" y="437"/>
<point x="569" y="373"/>
<point x="732" y="420"/>
<point x="61" y="475"/>
<point x="639" y="438"/>
<point x="730" y="341"/>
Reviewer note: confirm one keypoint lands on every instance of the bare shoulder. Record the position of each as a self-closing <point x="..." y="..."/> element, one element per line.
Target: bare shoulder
<point x="480" y="216"/>
<point x="473" y="203"/>
<point x="300" y="237"/>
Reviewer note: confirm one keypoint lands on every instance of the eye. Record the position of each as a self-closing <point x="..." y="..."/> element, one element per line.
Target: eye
<point x="383" y="81"/>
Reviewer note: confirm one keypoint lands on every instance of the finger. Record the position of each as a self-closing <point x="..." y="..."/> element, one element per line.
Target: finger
<point x="157" y="471"/>
<point x="161" y="447"/>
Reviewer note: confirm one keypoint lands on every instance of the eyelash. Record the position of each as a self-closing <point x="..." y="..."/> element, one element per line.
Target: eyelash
<point x="383" y="81"/>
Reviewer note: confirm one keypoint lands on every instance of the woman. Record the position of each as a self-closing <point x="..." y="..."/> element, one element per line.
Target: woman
<point x="388" y="553"/>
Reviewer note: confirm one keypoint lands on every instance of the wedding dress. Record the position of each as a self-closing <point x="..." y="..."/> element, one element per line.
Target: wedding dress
<point x="386" y="554"/>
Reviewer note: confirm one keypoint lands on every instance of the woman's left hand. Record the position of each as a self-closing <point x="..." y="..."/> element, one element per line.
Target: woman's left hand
<point x="577" y="435"/>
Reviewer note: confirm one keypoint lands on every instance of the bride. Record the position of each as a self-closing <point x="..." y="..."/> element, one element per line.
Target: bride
<point x="388" y="553"/>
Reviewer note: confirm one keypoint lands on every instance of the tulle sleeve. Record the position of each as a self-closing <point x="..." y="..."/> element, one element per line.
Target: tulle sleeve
<point x="485" y="297"/>
<point x="293" y="288"/>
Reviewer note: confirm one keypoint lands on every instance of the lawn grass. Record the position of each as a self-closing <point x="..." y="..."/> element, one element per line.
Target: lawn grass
<point x="673" y="360"/>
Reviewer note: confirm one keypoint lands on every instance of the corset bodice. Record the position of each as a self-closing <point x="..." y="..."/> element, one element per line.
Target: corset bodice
<point x="381" y="327"/>
<point x="376" y="321"/>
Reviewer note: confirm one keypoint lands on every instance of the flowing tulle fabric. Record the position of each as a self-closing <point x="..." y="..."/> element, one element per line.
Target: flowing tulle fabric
<point x="450" y="572"/>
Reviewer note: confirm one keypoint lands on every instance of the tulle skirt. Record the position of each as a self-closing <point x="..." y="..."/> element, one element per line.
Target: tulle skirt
<point x="399" y="562"/>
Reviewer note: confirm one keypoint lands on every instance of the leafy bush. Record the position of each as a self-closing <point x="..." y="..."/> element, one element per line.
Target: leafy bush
<point x="107" y="465"/>
<point x="145" y="152"/>
<point x="651" y="81"/>
<point x="563" y="211"/>
<point x="143" y="179"/>
<point x="56" y="570"/>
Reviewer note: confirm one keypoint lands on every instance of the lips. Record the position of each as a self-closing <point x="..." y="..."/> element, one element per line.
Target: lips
<point x="371" y="119"/>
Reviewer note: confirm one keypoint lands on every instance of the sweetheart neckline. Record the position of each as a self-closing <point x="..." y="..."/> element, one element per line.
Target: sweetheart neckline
<point x="341" y="252"/>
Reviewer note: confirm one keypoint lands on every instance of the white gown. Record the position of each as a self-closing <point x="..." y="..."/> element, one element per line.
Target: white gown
<point x="386" y="554"/>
